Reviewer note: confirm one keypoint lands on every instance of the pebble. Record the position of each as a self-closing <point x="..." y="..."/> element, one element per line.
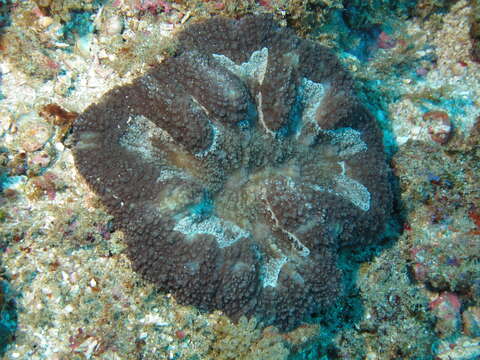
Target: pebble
<point x="113" y="25"/>
<point x="458" y="69"/>
<point x="39" y="159"/>
<point x="45" y="21"/>
<point x="441" y="128"/>
<point x="83" y="45"/>
<point x="33" y="132"/>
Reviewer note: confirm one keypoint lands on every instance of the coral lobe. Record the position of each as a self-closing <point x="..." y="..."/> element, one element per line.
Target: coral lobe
<point x="238" y="168"/>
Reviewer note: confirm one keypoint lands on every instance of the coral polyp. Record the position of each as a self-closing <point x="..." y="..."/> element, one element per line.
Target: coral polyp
<point x="238" y="168"/>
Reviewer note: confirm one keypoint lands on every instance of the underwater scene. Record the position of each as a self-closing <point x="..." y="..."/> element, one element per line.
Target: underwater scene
<point x="239" y="179"/>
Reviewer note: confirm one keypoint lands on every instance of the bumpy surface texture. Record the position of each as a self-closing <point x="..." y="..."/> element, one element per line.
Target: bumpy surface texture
<point x="238" y="168"/>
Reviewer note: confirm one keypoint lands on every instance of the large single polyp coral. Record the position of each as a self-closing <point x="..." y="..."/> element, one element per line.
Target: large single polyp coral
<point x="238" y="168"/>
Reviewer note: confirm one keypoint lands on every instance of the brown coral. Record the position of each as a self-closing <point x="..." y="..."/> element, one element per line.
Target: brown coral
<point x="238" y="168"/>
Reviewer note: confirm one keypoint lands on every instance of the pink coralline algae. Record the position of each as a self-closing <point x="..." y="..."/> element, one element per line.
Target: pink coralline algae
<point x="238" y="168"/>
<point x="153" y="6"/>
<point x="385" y="41"/>
<point x="447" y="310"/>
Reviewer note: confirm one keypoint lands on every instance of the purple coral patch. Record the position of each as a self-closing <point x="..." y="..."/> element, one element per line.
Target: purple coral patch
<point x="238" y="168"/>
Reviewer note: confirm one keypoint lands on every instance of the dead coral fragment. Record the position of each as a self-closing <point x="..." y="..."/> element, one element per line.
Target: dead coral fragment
<point x="60" y="117"/>
<point x="237" y="169"/>
<point x="57" y="115"/>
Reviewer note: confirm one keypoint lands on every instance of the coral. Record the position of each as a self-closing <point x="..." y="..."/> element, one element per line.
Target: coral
<point x="237" y="168"/>
<point x="8" y="316"/>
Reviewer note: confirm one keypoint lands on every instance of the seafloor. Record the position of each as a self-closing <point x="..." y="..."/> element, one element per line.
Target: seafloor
<point x="66" y="287"/>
